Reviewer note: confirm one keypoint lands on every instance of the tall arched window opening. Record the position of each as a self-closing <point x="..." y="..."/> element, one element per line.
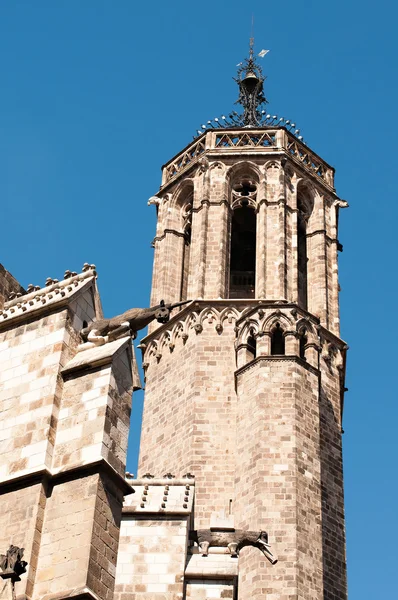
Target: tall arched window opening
<point x="252" y="344"/>
<point x="277" y="340"/>
<point x="304" y="210"/>
<point x="243" y="252"/>
<point x="187" y="231"/>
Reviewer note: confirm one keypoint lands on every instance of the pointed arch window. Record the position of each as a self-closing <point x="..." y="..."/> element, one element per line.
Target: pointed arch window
<point x="242" y="258"/>
<point x="243" y="253"/>
<point x="277" y="340"/>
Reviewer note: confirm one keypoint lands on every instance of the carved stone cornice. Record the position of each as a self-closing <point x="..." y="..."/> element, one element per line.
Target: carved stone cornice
<point x="279" y="358"/>
<point x="57" y="476"/>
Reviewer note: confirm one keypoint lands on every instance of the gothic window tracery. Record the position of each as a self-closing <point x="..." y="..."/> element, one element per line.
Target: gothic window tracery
<point x="243" y="238"/>
<point x="186" y="215"/>
<point x="244" y="193"/>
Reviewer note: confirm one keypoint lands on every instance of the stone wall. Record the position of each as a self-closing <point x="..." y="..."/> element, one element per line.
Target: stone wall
<point x="21" y="523"/>
<point x="189" y="417"/>
<point x="203" y="589"/>
<point x="258" y="439"/>
<point x="63" y="432"/>
<point x="151" y="559"/>
<point x="154" y="539"/>
<point x="278" y="483"/>
<point x="331" y="460"/>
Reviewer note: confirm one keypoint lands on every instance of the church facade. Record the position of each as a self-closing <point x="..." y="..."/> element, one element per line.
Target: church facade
<point x="239" y="492"/>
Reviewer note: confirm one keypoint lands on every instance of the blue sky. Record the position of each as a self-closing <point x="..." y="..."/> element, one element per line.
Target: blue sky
<point x="97" y="95"/>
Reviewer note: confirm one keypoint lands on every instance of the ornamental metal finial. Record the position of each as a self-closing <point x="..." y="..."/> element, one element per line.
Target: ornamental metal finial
<point x="251" y="95"/>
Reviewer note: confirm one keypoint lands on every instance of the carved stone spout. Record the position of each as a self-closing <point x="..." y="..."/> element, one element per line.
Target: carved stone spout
<point x="103" y="331"/>
<point x="234" y="540"/>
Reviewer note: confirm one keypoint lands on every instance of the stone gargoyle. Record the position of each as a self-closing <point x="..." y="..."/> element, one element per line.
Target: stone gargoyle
<point x="12" y="562"/>
<point x="234" y="540"/>
<point x="103" y="331"/>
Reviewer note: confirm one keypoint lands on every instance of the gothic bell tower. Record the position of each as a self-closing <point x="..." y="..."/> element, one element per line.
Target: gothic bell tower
<point x="245" y="385"/>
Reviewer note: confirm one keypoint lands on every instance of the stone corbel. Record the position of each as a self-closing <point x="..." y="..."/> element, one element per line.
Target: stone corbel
<point x="203" y="164"/>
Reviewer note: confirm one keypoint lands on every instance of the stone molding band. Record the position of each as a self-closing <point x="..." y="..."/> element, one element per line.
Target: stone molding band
<point x="49" y="477"/>
<point x="285" y="358"/>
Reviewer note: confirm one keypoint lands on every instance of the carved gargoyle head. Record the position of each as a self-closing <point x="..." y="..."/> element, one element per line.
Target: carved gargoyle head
<point x="162" y="314"/>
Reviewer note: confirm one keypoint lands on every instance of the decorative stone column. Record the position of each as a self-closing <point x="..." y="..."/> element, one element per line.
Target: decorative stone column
<point x="293" y="269"/>
<point x="291" y="343"/>
<point x="275" y="238"/>
<point x="263" y="345"/>
<point x="243" y="355"/>
<point x="224" y="251"/>
<point x="317" y="262"/>
<point x="312" y="354"/>
<point x="196" y="288"/>
<point x="261" y="242"/>
<point x="172" y="253"/>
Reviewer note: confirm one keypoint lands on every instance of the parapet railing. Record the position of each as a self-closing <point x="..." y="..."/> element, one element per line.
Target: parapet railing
<point x="262" y="140"/>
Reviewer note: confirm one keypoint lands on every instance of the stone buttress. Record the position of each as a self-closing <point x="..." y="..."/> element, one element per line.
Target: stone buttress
<point x="64" y="424"/>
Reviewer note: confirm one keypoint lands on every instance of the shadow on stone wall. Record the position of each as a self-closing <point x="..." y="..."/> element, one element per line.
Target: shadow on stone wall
<point x="333" y="529"/>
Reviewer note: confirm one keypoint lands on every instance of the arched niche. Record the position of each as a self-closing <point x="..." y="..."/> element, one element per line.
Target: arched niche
<point x="181" y="207"/>
<point x="305" y="206"/>
<point x="277" y="340"/>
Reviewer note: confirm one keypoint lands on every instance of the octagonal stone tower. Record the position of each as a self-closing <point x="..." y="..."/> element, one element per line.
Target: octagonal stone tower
<point x="245" y="385"/>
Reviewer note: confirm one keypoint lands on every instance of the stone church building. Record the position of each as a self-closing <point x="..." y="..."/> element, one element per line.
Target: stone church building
<point x="239" y="492"/>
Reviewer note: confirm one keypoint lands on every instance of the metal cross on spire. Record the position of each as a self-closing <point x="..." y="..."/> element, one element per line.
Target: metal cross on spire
<point x="251" y="46"/>
<point x="251" y="42"/>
